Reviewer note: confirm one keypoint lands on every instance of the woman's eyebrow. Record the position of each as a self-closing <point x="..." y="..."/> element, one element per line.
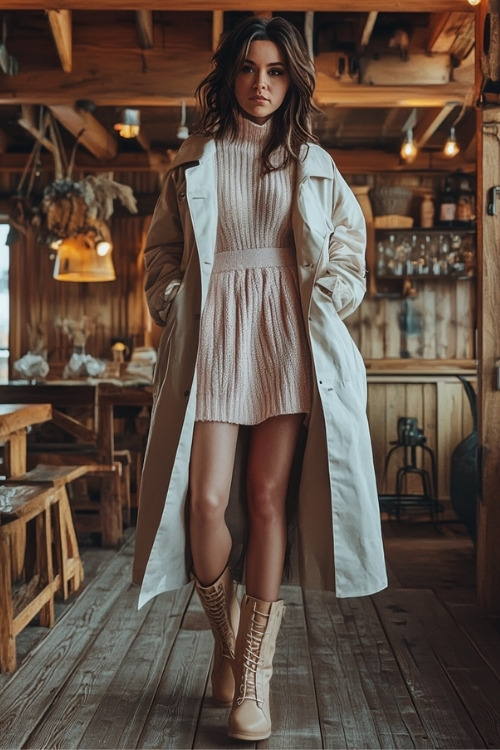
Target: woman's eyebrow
<point x="269" y="65"/>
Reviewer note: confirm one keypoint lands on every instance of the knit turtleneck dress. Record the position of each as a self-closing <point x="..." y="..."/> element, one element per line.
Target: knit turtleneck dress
<point x="253" y="361"/>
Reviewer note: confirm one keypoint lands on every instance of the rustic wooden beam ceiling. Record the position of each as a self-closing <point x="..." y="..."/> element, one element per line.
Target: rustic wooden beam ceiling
<point x="138" y="58"/>
<point x="339" y="6"/>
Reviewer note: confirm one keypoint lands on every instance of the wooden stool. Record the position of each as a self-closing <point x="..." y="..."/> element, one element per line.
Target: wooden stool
<point x="27" y="582"/>
<point x="103" y="516"/>
<point x="70" y="570"/>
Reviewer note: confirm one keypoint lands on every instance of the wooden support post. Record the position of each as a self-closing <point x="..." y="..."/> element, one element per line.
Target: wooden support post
<point x="488" y="549"/>
<point x="15" y="453"/>
<point x="7" y="638"/>
<point x="488" y="239"/>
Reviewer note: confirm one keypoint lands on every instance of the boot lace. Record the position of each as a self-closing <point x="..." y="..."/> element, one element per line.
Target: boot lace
<point x="251" y="659"/>
<point x="219" y="617"/>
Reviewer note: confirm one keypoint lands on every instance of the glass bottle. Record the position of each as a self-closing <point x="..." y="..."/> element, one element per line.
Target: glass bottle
<point x="447" y="205"/>
<point x="427" y="212"/>
<point x="465" y="202"/>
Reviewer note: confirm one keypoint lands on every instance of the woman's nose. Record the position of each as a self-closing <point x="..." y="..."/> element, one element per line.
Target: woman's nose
<point x="261" y="82"/>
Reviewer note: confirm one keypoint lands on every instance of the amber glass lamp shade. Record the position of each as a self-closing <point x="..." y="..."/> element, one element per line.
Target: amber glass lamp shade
<point x="78" y="259"/>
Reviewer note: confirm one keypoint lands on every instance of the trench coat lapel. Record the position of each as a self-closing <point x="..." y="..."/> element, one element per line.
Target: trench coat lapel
<point x="201" y="193"/>
<point x="311" y="225"/>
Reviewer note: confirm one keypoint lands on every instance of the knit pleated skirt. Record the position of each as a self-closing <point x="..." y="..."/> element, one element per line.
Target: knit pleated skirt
<point x="253" y="360"/>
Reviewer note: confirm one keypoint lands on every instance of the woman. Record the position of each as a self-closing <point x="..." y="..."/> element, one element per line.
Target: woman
<point x="255" y="254"/>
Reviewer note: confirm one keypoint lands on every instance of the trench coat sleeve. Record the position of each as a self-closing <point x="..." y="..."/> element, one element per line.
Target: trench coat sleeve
<point x="164" y="251"/>
<point x="343" y="276"/>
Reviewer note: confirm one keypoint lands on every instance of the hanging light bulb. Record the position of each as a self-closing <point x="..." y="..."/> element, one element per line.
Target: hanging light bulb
<point x="103" y="247"/>
<point x="183" y="132"/>
<point x="409" y="148"/>
<point x="474" y="2"/>
<point x="451" y="147"/>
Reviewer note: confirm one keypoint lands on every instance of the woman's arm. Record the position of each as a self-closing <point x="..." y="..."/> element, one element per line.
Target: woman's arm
<point x="164" y="251"/>
<point x="343" y="278"/>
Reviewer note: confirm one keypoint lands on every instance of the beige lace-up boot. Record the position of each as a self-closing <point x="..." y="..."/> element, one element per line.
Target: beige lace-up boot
<point x="260" y="621"/>
<point x="222" y="609"/>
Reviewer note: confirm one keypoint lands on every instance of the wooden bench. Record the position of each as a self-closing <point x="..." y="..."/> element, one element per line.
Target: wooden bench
<point x="35" y="522"/>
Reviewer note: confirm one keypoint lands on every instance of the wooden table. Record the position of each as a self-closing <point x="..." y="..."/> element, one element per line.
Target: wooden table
<point x="101" y="400"/>
<point x="14" y="422"/>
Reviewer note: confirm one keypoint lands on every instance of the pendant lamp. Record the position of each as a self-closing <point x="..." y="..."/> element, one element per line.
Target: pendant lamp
<point x="84" y="258"/>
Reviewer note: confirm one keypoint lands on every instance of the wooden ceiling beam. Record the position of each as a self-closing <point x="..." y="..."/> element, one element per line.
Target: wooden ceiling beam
<point x="28" y="122"/>
<point x="217" y="27"/>
<point x="144" y="24"/>
<point x="368" y="28"/>
<point x="84" y="126"/>
<point x="354" y="6"/>
<point x="121" y="80"/>
<point x="451" y="33"/>
<point x="353" y="161"/>
<point x="429" y="123"/>
<point x="61" y="28"/>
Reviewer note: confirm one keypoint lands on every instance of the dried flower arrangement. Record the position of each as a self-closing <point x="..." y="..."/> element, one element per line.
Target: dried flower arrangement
<point x="68" y="207"/>
<point x="73" y="208"/>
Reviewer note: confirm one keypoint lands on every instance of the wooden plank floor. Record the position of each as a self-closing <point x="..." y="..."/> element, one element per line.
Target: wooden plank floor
<point x="416" y="666"/>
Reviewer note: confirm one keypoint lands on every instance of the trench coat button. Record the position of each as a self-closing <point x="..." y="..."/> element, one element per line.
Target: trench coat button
<point x="186" y="393"/>
<point x="182" y="196"/>
<point x="197" y="316"/>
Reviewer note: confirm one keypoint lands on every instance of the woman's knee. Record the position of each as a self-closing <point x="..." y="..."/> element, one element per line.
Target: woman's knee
<point x="207" y="506"/>
<point x="266" y="502"/>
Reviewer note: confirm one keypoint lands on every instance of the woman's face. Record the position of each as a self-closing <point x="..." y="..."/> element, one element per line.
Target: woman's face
<point x="262" y="81"/>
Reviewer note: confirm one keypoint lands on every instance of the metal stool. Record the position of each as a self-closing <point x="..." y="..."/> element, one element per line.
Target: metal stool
<point x="411" y="437"/>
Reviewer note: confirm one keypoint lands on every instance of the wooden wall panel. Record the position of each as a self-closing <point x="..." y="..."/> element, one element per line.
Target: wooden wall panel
<point x="438" y="323"/>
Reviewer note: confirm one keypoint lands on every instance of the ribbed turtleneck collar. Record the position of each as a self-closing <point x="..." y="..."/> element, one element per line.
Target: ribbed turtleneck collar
<point x="250" y="131"/>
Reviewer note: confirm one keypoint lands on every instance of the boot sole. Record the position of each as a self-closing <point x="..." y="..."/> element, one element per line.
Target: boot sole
<point x="249" y="736"/>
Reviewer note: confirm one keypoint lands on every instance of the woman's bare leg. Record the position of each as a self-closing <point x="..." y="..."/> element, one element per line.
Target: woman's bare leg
<point x="210" y="474"/>
<point x="272" y="448"/>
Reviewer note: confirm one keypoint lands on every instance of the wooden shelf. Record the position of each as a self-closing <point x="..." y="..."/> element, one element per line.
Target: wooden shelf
<point x="433" y="367"/>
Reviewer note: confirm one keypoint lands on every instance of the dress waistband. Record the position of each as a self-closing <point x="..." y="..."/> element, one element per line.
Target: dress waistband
<point x="255" y="257"/>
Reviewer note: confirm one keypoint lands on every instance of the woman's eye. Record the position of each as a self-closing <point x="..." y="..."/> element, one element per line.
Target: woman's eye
<point x="276" y="72"/>
<point x="247" y="69"/>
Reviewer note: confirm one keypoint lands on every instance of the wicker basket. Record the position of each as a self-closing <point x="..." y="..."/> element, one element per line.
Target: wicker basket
<point x="393" y="221"/>
<point x="391" y="201"/>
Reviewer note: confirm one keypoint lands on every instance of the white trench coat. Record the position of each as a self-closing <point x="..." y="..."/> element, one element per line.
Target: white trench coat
<point x="339" y="544"/>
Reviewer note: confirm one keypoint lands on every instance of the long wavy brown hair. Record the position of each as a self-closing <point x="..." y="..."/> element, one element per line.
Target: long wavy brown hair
<point x="292" y="122"/>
